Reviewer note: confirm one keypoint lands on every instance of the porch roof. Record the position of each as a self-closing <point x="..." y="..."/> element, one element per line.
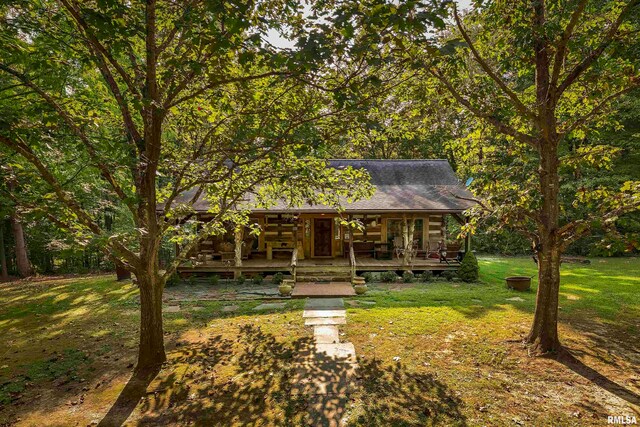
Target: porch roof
<point x="425" y="185"/>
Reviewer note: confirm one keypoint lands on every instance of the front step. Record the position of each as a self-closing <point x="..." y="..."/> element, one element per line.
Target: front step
<point x="319" y="274"/>
<point x="324" y="279"/>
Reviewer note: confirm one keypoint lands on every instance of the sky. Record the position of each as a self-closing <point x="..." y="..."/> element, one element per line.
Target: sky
<point x="275" y="39"/>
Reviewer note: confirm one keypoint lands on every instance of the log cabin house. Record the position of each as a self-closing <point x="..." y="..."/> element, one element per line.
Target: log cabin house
<point x="403" y="227"/>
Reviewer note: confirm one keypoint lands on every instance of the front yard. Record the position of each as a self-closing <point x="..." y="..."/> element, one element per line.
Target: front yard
<point x="441" y="353"/>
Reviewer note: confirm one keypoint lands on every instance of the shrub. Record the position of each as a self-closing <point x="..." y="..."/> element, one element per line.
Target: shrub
<point x="408" y="277"/>
<point x="368" y="276"/>
<point x="426" y="276"/>
<point x="257" y="279"/>
<point x="192" y="279"/>
<point x="277" y="278"/>
<point x="240" y="280"/>
<point x="173" y="280"/>
<point x="388" y="276"/>
<point x="214" y="280"/>
<point x="448" y="275"/>
<point x="468" y="271"/>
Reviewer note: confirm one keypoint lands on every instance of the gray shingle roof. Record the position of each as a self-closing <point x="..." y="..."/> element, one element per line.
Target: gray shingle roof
<point x="401" y="185"/>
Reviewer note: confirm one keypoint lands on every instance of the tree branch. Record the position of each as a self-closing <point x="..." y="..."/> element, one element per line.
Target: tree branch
<point x="497" y="124"/>
<point x="565" y="130"/>
<point x="104" y="170"/>
<point x="215" y="83"/>
<point x="514" y="98"/>
<point x="93" y="40"/>
<point x="564" y="40"/>
<point x="595" y="54"/>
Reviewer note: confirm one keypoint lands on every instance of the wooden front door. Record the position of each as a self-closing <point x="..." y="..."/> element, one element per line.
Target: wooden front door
<point x="322" y="237"/>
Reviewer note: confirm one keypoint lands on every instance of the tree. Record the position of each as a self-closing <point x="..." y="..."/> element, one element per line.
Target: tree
<point x="539" y="73"/>
<point x="4" y="272"/>
<point x="161" y="105"/>
<point x="527" y="77"/>
<point x="23" y="265"/>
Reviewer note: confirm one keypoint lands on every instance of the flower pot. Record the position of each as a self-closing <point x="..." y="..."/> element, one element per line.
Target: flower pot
<point x="285" y="289"/>
<point x="289" y="282"/>
<point x="519" y="283"/>
<point x="360" y="289"/>
<point x="357" y="280"/>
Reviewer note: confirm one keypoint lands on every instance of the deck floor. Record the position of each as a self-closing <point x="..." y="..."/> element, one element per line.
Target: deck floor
<point x="315" y="264"/>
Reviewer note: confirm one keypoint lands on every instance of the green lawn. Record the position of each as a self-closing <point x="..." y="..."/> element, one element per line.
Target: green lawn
<point x="440" y="353"/>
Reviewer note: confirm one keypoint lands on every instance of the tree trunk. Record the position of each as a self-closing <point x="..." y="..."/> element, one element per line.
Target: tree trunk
<point x="22" y="258"/>
<point x="4" y="273"/>
<point x="544" y="332"/>
<point x="151" y="349"/>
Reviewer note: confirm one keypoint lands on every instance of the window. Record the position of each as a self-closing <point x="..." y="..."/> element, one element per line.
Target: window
<point x="394" y="229"/>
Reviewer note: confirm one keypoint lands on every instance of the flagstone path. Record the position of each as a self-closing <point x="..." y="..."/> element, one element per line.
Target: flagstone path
<point x="326" y="374"/>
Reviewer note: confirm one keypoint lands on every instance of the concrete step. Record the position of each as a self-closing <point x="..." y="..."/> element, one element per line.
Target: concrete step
<point x="315" y="321"/>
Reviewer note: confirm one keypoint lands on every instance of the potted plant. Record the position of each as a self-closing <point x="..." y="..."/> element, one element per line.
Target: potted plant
<point x="286" y="287"/>
<point x="359" y="285"/>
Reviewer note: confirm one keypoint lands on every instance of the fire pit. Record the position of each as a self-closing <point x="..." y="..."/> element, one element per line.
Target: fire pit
<point x="519" y="283"/>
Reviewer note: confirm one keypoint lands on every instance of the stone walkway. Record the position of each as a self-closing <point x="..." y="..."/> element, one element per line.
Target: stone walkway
<point x="326" y="374"/>
<point x="323" y="290"/>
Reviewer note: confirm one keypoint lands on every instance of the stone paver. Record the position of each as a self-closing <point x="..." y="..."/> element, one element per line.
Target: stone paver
<point x="229" y="308"/>
<point x="515" y="299"/>
<point x="326" y="334"/>
<point x="326" y="411"/>
<point x="324" y="313"/>
<point x="327" y="373"/>
<point x="270" y="306"/>
<point x="315" y="321"/>
<point x="324" y="303"/>
<point x="171" y="309"/>
<point x="324" y="379"/>
<point x="341" y="351"/>
<point x="332" y="289"/>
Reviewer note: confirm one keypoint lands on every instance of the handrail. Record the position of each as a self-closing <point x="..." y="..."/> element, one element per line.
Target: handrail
<point x="294" y="262"/>
<point x="352" y="262"/>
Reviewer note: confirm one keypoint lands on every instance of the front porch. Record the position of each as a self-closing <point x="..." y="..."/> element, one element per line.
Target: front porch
<point x="335" y="265"/>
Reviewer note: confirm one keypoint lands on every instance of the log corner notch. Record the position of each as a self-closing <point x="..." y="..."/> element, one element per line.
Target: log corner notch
<point x="464" y="220"/>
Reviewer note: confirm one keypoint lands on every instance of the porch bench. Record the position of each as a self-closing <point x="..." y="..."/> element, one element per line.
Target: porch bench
<point x="360" y="248"/>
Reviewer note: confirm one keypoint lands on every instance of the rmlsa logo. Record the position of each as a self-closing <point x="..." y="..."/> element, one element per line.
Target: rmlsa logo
<point x="622" y="419"/>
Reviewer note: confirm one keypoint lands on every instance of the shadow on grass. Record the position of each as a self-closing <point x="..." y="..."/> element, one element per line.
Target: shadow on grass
<point x="258" y="379"/>
<point x="130" y="396"/>
<point x="392" y="395"/>
<point x="570" y="361"/>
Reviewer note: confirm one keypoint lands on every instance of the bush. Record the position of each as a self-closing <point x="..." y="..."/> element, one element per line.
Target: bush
<point x="426" y="276"/>
<point x="388" y="276"/>
<point x="448" y="275"/>
<point x="408" y="277"/>
<point x="192" y="279"/>
<point x="368" y="276"/>
<point x="214" y="280"/>
<point x="173" y="280"/>
<point x="240" y="280"/>
<point x="257" y="279"/>
<point x="277" y="278"/>
<point x="468" y="271"/>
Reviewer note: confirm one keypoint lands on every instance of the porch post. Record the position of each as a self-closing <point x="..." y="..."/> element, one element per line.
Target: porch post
<point x="352" y="255"/>
<point x="237" y="236"/>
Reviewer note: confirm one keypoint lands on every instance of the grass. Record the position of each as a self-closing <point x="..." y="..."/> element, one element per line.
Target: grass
<point x="438" y="353"/>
